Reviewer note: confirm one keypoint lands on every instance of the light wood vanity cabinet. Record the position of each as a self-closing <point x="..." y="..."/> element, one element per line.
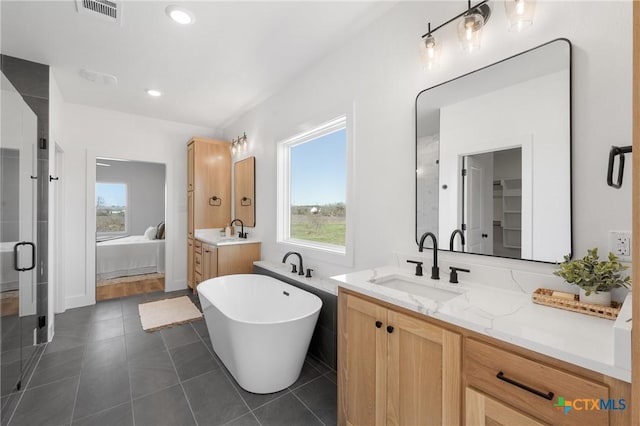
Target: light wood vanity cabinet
<point x="208" y="195"/>
<point x="211" y="261"/>
<point x="482" y="410"/>
<point x="395" y="369"/>
<point x="416" y="374"/>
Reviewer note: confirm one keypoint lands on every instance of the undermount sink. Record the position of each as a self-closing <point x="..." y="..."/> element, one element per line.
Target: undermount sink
<point x="407" y="285"/>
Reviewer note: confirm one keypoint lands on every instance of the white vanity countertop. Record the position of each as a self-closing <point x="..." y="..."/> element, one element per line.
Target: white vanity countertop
<point x="213" y="237"/>
<point x="327" y="285"/>
<point x="506" y="315"/>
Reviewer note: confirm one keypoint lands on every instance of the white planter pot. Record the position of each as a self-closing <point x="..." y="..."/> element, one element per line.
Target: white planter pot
<point x="599" y="298"/>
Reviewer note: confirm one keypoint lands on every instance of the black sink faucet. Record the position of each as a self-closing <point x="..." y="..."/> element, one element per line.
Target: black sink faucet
<point x="435" y="271"/>
<point x="242" y="234"/>
<point x="453" y="237"/>
<point x="300" y="268"/>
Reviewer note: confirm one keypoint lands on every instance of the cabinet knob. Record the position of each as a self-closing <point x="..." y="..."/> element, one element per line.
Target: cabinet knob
<point x="389" y="329"/>
<point x="378" y="324"/>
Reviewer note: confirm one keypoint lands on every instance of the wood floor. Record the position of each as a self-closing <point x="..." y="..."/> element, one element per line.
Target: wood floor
<point x="9" y="303"/>
<point x="129" y="286"/>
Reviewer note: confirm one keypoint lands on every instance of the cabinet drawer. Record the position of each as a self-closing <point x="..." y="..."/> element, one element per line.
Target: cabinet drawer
<point x="523" y="384"/>
<point x="198" y="246"/>
<point x="198" y="279"/>
<point x="198" y="262"/>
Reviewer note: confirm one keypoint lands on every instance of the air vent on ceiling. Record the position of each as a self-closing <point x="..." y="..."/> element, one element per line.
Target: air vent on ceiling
<point x="106" y="10"/>
<point x="97" y="77"/>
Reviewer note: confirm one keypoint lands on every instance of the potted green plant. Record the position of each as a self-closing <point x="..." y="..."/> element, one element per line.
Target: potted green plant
<point x="595" y="278"/>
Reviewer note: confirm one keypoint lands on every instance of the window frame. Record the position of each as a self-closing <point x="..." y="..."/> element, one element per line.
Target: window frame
<point x="324" y="251"/>
<point x="126" y="211"/>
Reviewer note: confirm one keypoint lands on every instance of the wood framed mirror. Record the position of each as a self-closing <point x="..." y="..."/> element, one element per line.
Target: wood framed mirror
<point x="244" y="191"/>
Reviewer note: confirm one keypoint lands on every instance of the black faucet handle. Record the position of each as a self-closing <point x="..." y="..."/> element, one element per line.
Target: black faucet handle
<point x="294" y="268"/>
<point x="309" y="270"/>
<point x="453" y="276"/>
<point x="418" y="266"/>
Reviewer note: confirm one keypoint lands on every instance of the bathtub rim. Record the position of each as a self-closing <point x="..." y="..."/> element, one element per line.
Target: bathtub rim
<point x="233" y="318"/>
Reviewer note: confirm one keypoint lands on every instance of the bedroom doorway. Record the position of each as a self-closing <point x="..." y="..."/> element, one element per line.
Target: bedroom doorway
<point x="130" y="229"/>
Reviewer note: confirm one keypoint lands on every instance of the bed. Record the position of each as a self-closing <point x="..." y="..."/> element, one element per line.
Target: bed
<point x="127" y="256"/>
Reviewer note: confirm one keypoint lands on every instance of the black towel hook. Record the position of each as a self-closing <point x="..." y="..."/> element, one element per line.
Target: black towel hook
<point x="615" y="151"/>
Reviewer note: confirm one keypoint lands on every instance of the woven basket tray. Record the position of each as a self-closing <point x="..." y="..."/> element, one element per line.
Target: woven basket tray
<point x="543" y="296"/>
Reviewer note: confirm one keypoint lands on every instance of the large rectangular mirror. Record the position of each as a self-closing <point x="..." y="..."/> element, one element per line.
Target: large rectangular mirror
<point x="493" y="158"/>
<point x="244" y="191"/>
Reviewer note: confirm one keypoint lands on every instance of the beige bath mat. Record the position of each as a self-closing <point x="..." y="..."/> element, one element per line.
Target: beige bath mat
<point x="167" y="313"/>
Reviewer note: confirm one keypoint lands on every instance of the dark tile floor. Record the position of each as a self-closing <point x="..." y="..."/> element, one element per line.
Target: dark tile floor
<point x="102" y="369"/>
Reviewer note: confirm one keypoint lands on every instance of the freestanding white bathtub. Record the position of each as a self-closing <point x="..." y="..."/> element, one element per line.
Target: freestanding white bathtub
<point x="260" y="328"/>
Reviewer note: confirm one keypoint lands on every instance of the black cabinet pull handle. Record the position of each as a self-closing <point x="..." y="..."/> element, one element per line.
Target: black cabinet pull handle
<point x="389" y="329"/>
<point x="615" y="151"/>
<point x="548" y="396"/>
<point x="378" y="324"/>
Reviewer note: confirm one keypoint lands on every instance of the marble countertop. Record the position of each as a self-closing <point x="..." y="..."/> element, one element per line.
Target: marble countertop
<point x="506" y="315"/>
<point x="326" y="285"/>
<point x="213" y="237"/>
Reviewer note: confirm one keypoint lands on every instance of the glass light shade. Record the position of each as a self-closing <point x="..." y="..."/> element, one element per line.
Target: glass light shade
<point x="470" y="31"/>
<point x="520" y="13"/>
<point x="429" y="52"/>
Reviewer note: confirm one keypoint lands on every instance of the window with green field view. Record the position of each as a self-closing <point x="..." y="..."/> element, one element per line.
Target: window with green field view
<point x="111" y="207"/>
<point x="315" y="191"/>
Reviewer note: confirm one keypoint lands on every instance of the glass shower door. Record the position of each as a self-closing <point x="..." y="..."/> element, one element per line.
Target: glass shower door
<point x="18" y="202"/>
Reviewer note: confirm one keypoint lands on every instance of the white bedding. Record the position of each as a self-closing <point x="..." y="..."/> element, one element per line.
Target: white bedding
<point x="132" y="255"/>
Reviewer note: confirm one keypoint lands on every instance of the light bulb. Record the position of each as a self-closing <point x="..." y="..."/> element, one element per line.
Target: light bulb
<point x="429" y="52"/>
<point x="520" y="13"/>
<point x="470" y="30"/>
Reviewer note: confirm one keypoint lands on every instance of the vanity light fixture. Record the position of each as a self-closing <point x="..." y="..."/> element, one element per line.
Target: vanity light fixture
<point x="469" y="32"/>
<point x="154" y="93"/>
<point x="239" y="144"/>
<point x="180" y="15"/>
<point x="519" y="13"/>
<point x="430" y="50"/>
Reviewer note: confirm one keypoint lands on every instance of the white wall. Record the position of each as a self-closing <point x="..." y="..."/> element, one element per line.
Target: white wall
<point x="145" y="191"/>
<point x="378" y="75"/>
<point x="92" y="132"/>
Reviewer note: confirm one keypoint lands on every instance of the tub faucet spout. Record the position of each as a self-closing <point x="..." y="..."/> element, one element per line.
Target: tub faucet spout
<point x="289" y="253"/>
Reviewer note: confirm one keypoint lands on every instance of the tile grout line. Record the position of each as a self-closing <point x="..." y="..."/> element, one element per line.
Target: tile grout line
<point x="75" y="399"/>
<point x="126" y="354"/>
<point x="307" y="407"/>
<point x="223" y="368"/>
<point x="179" y="381"/>
<point x="102" y="411"/>
<point x="26" y="385"/>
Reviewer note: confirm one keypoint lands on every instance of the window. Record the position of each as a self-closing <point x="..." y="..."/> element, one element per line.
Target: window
<point x="111" y="208"/>
<point x="312" y="177"/>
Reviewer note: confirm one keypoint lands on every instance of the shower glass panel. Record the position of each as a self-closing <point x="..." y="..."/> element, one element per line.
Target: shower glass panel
<point x="18" y="203"/>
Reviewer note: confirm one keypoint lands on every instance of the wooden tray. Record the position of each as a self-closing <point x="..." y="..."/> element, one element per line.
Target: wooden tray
<point x="543" y="296"/>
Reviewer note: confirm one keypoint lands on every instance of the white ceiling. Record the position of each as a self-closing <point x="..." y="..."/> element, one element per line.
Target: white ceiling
<point x="235" y="54"/>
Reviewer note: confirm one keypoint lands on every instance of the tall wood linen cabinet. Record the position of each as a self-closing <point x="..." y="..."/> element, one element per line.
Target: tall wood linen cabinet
<point x="208" y="192"/>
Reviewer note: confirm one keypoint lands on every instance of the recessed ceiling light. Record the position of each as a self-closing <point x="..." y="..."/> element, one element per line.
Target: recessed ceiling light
<point x="154" y="93"/>
<point x="180" y="15"/>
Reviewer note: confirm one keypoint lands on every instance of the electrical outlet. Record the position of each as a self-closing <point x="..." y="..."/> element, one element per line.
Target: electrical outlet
<point x="620" y="245"/>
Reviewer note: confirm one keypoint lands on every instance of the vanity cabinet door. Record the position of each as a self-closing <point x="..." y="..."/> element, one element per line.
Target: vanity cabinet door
<point x="363" y="362"/>
<point x="190" y="265"/>
<point x="237" y="258"/>
<point x="482" y="410"/>
<point x="424" y="373"/>
<point x="210" y="262"/>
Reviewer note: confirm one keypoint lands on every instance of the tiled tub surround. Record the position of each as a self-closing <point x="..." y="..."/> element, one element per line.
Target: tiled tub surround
<point x="505" y="312"/>
<point x="102" y="369"/>
<point x="324" y="341"/>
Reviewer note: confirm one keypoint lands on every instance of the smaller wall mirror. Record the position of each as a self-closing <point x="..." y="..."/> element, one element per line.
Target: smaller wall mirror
<point x="244" y="191"/>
